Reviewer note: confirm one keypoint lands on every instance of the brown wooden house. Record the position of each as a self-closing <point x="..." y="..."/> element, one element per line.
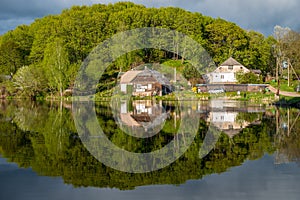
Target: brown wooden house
<point x="145" y="83"/>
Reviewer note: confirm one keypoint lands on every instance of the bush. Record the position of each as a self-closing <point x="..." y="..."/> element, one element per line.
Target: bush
<point x="246" y="78"/>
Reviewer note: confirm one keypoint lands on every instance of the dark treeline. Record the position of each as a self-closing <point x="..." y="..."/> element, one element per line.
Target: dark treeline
<point x="43" y="58"/>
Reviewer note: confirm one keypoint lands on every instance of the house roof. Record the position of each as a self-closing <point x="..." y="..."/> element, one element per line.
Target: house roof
<point x="256" y="71"/>
<point x="145" y="75"/>
<point x="127" y="119"/>
<point x="232" y="132"/>
<point x="231" y="61"/>
<point x="129" y="76"/>
<point x="156" y="75"/>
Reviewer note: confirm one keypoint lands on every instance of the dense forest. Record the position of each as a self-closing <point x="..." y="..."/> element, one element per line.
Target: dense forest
<point x="42" y="59"/>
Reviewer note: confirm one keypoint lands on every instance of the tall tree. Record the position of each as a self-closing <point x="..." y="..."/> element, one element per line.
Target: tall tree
<point x="56" y="65"/>
<point x="10" y="58"/>
<point x="225" y="39"/>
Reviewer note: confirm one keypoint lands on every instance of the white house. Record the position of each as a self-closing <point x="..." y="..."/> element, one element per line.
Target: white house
<point x="227" y="122"/>
<point x="226" y="72"/>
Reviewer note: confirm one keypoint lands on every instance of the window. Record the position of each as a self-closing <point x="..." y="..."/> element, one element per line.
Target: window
<point x="222" y="76"/>
<point x="230" y="67"/>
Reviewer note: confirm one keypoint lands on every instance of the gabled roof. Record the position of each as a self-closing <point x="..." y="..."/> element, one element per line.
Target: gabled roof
<point x="128" y="120"/>
<point x="156" y="75"/>
<point x="144" y="76"/>
<point x="129" y="76"/>
<point x="231" y="61"/>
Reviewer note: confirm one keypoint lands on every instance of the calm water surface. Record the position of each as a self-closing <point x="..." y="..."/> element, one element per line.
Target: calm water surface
<point x="256" y="155"/>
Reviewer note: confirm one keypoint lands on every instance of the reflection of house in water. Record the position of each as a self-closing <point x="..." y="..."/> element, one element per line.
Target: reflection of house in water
<point x="145" y="119"/>
<point x="145" y="82"/>
<point x="227" y="122"/>
<point x="227" y="116"/>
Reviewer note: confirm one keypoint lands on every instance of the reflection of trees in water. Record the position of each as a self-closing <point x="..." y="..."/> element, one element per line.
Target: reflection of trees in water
<point x="44" y="137"/>
<point x="287" y="135"/>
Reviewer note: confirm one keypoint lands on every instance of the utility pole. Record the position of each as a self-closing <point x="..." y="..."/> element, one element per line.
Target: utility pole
<point x="277" y="76"/>
<point x="175" y="74"/>
<point x="288" y="72"/>
<point x="288" y="112"/>
<point x="277" y="63"/>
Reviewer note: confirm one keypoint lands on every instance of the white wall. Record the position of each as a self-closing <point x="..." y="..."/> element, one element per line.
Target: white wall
<point x="223" y="116"/>
<point x="222" y="77"/>
<point x="124" y="87"/>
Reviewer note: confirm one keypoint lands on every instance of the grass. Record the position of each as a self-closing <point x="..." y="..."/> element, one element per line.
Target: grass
<point x="284" y="85"/>
<point x="174" y="64"/>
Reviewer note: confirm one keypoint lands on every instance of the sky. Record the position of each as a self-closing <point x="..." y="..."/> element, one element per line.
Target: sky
<point x="258" y="15"/>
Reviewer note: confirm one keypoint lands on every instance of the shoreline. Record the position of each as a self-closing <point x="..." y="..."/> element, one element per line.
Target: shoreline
<point x="257" y="98"/>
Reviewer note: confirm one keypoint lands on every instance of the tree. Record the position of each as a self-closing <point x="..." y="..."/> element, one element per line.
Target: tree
<point x="56" y="65"/>
<point x="191" y="74"/>
<point x="62" y="42"/>
<point x="259" y="52"/>
<point x="225" y="39"/>
<point x="10" y="58"/>
<point x="15" y="47"/>
<point x="290" y="48"/>
<point x="30" y="81"/>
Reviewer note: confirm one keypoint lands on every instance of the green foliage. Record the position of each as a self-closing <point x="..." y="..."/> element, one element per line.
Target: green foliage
<point x="15" y="47"/>
<point x="246" y="78"/>
<point x="70" y="36"/>
<point x="56" y="66"/>
<point x="225" y="39"/>
<point x="30" y="81"/>
<point x="190" y="72"/>
<point x="11" y="58"/>
<point x="259" y="54"/>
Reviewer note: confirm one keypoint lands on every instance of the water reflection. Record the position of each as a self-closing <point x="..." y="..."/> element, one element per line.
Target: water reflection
<point x="141" y="118"/>
<point x="43" y="136"/>
<point x="231" y="117"/>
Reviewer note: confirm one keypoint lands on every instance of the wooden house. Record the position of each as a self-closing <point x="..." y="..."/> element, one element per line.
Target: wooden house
<point x="145" y="82"/>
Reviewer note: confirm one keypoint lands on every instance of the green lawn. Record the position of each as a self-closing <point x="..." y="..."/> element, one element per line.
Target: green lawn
<point x="284" y="85"/>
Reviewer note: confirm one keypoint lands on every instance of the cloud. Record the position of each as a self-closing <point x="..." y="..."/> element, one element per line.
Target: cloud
<point x="17" y="12"/>
<point x="11" y="23"/>
<point x="256" y="15"/>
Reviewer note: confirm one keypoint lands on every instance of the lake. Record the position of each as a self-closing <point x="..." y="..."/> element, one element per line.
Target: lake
<point x="216" y="149"/>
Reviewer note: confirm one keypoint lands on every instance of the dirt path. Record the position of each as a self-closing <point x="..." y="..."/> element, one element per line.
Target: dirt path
<point x="284" y="93"/>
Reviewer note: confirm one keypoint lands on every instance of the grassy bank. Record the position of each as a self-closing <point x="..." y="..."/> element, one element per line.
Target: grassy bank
<point x="253" y="97"/>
